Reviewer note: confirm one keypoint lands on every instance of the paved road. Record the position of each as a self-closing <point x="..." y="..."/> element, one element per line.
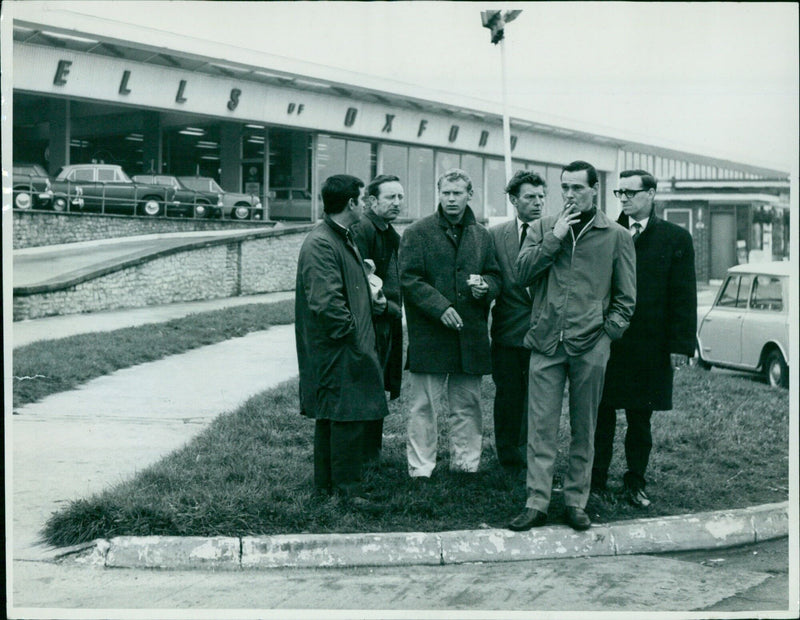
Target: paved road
<point x="58" y="263"/>
<point x="719" y="581"/>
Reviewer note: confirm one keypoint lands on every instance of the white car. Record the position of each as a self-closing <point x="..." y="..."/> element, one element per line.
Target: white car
<point x="235" y="205"/>
<point x="747" y="327"/>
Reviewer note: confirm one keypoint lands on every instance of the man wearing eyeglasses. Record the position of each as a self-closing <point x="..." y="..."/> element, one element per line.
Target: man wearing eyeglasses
<point x="660" y="338"/>
<point x="581" y="269"/>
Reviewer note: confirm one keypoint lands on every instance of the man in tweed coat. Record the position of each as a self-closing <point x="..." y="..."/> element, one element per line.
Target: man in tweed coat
<point x="449" y="276"/>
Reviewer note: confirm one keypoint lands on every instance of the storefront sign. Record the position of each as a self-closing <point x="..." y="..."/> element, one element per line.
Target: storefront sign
<point x="112" y="80"/>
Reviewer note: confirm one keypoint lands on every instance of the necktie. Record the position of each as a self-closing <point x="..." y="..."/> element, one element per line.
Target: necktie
<point x="523" y="233"/>
<point x="637" y="230"/>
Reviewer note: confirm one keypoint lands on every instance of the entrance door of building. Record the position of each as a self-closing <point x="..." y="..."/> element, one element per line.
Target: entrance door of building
<point x="723" y="243"/>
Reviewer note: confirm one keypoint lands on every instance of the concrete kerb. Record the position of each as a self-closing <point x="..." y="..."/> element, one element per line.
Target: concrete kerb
<point x="707" y="530"/>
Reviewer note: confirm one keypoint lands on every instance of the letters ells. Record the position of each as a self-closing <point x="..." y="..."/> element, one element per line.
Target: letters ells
<point x="123" y="85"/>
<point x="61" y="72"/>
<point x="179" y="98"/>
<point x="234" y="98"/>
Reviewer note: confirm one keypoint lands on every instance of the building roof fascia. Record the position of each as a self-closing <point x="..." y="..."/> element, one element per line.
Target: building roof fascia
<point x="73" y="24"/>
<point x="717" y="197"/>
<point x="733" y="184"/>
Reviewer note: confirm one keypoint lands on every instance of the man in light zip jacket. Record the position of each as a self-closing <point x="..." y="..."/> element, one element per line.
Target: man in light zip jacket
<point x="581" y="268"/>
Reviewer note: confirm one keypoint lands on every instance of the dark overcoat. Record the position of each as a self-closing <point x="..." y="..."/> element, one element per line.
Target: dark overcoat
<point x="340" y="377"/>
<point x="639" y="371"/>
<point x="378" y="240"/>
<point x="434" y="270"/>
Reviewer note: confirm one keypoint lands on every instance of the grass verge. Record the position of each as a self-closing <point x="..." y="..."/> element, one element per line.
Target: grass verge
<point x="725" y="445"/>
<point x="46" y="367"/>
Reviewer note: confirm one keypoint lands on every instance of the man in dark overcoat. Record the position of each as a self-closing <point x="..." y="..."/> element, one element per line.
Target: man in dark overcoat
<point x="511" y="318"/>
<point x="341" y="380"/>
<point x="449" y="275"/>
<point x="661" y="335"/>
<point x="377" y="240"/>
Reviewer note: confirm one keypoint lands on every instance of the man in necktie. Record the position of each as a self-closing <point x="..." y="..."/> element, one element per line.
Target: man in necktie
<point x="511" y="317"/>
<point x="661" y="335"/>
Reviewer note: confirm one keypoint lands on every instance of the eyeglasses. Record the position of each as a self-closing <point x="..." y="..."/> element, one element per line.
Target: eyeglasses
<point x="628" y="193"/>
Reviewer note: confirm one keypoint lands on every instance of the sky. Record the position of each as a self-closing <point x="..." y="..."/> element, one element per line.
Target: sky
<point x="714" y="78"/>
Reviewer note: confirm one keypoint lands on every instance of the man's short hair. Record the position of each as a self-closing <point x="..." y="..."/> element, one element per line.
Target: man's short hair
<point x="374" y="187"/>
<point x="521" y="177"/>
<point x="454" y="174"/>
<point x="648" y="180"/>
<point x="577" y="166"/>
<point x="338" y="190"/>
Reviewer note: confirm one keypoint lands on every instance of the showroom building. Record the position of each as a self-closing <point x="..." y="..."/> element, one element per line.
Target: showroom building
<point x="276" y="128"/>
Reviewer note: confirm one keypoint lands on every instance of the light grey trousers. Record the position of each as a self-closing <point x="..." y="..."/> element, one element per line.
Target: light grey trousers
<point x="546" y="380"/>
<point x="466" y="422"/>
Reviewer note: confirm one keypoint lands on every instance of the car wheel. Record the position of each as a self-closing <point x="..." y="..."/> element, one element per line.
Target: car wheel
<point x="59" y="204"/>
<point x="241" y="212"/>
<point x="151" y="206"/>
<point x="23" y="200"/>
<point x="776" y="372"/>
<point x="201" y="209"/>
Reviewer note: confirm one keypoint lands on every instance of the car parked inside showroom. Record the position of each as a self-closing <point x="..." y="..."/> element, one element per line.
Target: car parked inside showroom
<point x="290" y="203"/>
<point x="105" y="188"/>
<point x="237" y="206"/>
<point x="32" y="187"/>
<point x="747" y="327"/>
<point x="187" y="202"/>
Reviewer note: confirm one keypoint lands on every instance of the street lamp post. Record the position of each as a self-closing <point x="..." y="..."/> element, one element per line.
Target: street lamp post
<point x="496" y="21"/>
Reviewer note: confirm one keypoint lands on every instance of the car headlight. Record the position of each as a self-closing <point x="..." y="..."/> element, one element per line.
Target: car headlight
<point x="257" y="205"/>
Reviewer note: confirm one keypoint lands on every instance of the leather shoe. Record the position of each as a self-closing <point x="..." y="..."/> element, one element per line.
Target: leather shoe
<point x="528" y="518"/>
<point x="637" y="497"/>
<point x="577" y="518"/>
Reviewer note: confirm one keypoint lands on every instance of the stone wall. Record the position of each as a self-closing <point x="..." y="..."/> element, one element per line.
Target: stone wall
<point x="264" y="263"/>
<point x="39" y="228"/>
<point x="269" y="264"/>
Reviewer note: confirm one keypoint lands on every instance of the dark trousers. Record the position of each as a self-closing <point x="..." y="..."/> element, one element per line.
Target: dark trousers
<point x="510" y="374"/>
<point x="638" y="443"/>
<point x="373" y="440"/>
<point x="338" y="456"/>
